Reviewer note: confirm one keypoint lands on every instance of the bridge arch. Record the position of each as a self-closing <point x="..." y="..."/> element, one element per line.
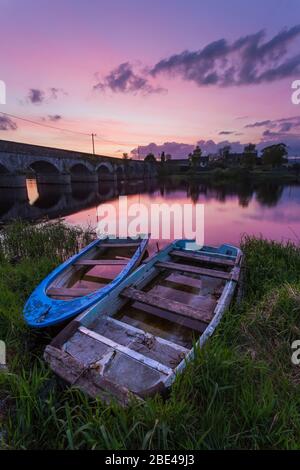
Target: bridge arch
<point x="46" y="172"/>
<point x="78" y="168"/>
<point x="43" y="167"/>
<point x="105" y="171"/>
<point x="82" y="173"/>
<point x="120" y="172"/>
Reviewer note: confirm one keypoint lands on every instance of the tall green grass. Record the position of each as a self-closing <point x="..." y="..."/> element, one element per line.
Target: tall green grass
<point x="242" y="391"/>
<point x="54" y="240"/>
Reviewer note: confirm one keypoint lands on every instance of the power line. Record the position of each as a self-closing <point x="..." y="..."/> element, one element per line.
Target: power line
<point x="100" y="139"/>
<point x="45" y="125"/>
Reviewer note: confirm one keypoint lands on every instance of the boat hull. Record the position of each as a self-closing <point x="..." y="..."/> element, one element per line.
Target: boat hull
<point x="113" y="351"/>
<point x="41" y="310"/>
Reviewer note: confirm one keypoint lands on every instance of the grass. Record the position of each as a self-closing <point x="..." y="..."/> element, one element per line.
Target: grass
<point x="242" y="390"/>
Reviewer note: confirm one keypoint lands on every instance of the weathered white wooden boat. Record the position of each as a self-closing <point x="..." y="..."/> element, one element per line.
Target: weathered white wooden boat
<point x="135" y="341"/>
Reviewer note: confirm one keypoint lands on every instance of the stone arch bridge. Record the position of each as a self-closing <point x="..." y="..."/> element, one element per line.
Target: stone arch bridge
<point x="19" y="161"/>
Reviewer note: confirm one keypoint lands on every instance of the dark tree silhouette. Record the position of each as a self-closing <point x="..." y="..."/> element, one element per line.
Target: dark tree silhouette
<point x="274" y="155"/>
<point x="150" y="158"/>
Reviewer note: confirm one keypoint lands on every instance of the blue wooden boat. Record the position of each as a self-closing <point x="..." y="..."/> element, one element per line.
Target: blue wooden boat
<point x="134" y="341"/>
<point x="83" y="280"/>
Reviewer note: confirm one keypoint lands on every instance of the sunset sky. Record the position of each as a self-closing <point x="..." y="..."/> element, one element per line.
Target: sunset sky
<point x="137" y="72"/>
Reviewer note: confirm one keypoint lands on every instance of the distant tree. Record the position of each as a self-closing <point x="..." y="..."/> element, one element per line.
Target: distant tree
<point x="194" y="157"/>
<point x="250" y="148"/>
<point x="150" y="158"/>
<point x="125" y="156"/>
<point x="225" y="151"/>
<point x="250" y="154"/>
<point x="274" y="155"/>
<point x="168" y="157"/>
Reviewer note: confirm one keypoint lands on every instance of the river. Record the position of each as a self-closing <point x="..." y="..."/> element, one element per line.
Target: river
<point x="268" y="209"/>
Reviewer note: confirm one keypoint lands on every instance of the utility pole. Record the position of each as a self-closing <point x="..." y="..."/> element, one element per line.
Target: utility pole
<point x="93" y="135"/>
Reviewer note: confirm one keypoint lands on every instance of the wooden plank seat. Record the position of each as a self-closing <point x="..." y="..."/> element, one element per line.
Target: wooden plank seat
<point x="152" y="346"/>
<point x="97" y="279"/>
<point x="130" y="328"/>
<point x="127" y="351"/>
<point x="193" y="270"/>
<point x="69" y="292"/>
<point x="205" y="258"/>
<point x="101" y="262"/>
<point x="166" y="304"/>
<point x="119" y="245"/>
<point x="173" y="318"/>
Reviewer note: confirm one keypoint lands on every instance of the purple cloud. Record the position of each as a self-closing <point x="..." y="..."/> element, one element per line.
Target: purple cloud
<point x="7" y="124"/>
<point x="38" y="96"/>
<point x="181" y="150"/>
<point x="291" y="140"/>
<point x="280" y="130"/>
<point x="54" y="93"/>
<point x="282" y="125"/>
<point x="176" y="149"/>
<point x="54" y="117"/>
<point x="124" y="80"/>
<point x="259" y="124"/>
<point x="248" y="60"/>
<point x="211" y="147"/>
<point x="271" y="134"/>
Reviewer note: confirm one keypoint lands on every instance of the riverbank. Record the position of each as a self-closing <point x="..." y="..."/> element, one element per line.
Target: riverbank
<point x="219" y="176"/>
<point x="242" y="391"/>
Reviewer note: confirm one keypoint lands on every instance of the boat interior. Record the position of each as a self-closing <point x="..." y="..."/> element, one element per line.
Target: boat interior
<point x="143" y="334"/>
<point x="168" y="306"/>
<point x="94" y="270"/>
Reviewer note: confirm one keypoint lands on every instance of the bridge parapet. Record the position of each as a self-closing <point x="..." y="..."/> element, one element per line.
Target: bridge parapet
<point x="59" y="166"/>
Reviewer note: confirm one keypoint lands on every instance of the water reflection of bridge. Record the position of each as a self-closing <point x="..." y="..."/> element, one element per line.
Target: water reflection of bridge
<point x="39" y="201"/>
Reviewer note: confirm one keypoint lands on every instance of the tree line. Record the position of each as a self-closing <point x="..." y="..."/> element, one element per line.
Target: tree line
<point x="273" y="155"/>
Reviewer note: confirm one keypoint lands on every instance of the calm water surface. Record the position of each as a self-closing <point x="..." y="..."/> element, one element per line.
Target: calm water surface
<point x="268" y="209"/>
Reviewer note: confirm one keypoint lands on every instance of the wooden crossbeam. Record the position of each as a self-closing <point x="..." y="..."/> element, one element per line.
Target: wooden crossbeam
<point x="193" y="256"/>
<point x="118" y="245"/>
<point x="127" y="351"/>
<point x="100" y="262"/>
<point x="190" y="323"/>
<point x="97" y="279"/>
<point x="193" y="270"/>
<point x="167" y="304"/>
<point x="69" y="292"/>
<point x="134" y="329"/>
